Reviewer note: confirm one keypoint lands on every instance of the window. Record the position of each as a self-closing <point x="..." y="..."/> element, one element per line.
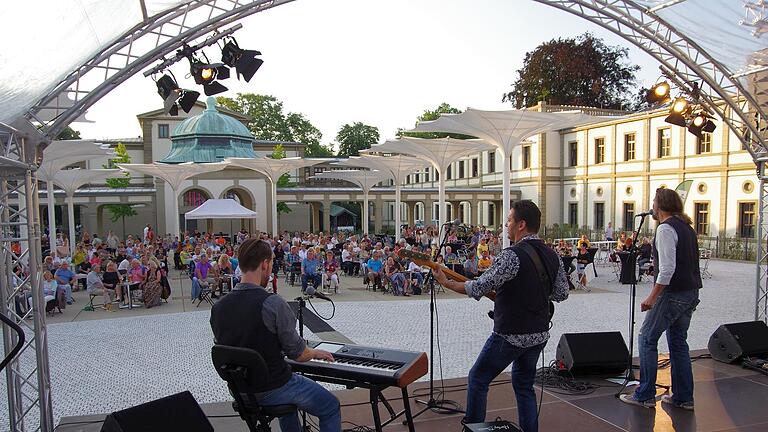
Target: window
<point x="492" y="161"/>
<point x="664" y="143"/>
<point x="701" y="211"/>
<point x="461" y="169"/>
<point x="417" y="178"/>
<point x="704" y="144"/>
<point x="747" y="219"/>
<point x="526" y="157"/>
<point x="449" y="172"/>
<point x="162" y="131"/>
<point x="629" y="216"/>
<point x="599" y="150"/>
<point x="194" y="198"/>
<point x="599" y="215"/>
<point x="319" y="170"/>
<point x="629" y="146"/>
<point x="437" y="175"/>
<point x="573" y="214"/>
<point x="573" y="153"/>
<point x="474" y="167"/>
<point x="426" y="174"/>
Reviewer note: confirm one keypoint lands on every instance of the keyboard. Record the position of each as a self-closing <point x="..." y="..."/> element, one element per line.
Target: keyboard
<point x="380" y="366"/>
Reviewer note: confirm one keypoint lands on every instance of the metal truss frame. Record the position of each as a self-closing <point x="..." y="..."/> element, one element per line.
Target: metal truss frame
<point x="28" y="380"/>
<point x="721" y="92"/>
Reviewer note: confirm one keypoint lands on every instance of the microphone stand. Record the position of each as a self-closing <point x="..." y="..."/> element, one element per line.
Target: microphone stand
<point x="432" y="403"/>
<point x="632" y="261"/>
<point x="300" y="316"/>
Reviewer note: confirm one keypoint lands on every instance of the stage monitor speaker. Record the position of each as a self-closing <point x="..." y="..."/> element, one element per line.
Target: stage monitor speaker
<point x="731" y="342"/>
<point x="602" y="353"/>
<point x="179" y="412"/>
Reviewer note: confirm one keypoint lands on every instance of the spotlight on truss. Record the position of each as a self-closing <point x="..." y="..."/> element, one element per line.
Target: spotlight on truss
<point x="208" y="75"/>
<point x="174" y="96"/>
<point x="678" y="112"/>
<point x="700" y="123"/>
<point x="244" y="61"/>
<point x="658" y="93"/>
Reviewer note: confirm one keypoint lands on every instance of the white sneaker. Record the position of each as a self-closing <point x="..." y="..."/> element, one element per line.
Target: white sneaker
<point x="630" y="399"/>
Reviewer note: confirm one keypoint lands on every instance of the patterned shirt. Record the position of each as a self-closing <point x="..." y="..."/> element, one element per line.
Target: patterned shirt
<point x="505" y="268"/>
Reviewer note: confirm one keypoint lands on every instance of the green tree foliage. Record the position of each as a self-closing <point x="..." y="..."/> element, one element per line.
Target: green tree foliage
<point x="68" y="134"/>
<point x="120" y="212"/>
<point x="575" y="71"/>
<point x="271" y="123"/>
<point x="278" y="152"/>
<point x="430" y="115"/>
<point x="355" y="137"/>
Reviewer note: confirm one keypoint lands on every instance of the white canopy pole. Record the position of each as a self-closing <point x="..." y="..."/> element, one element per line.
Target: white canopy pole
<point x="273" y="183"/>
<point x="365" y="210"/>
<point x="175" y="216"/>
<point x="505" y="197"/>
<point x="71" y="215"/>
<point x="51" y="217"/>
<point x="397" y="211"/>
<point x="441" y="216"/>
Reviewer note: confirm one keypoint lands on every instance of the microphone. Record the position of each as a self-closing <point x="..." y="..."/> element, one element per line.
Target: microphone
<point x="646" y="213"/>
<point x="312" y="292"/>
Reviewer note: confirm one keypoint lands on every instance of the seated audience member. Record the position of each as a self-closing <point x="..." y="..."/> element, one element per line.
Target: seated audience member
<point x="393" y="271"/>
<point x="124" y="266"/>
<point x="329" y="266"/>
<point x="49" y="288"/>
<point x="293" y="260"/>
<point x="135" y="274"/>
<point x="482" y="247"/>
<point x="205" y="274"/>
<point x="111" y="279"/>
<point x="65" y="279"/>
<point x="414" y="271"/>
<point x="484" y="262"/>
<point x="582" y="259"/>
<point x="374" y="266"/>
<point x="644" y="256"/>
<point x="310" y="270"/>
<point x="151" y="287"/>
<point x="224" y="269"/>
<point x="450" y="257"/>
<point x="95" y="286"/>
<point x="48" y="264"/>
<point x="470" y="267"/>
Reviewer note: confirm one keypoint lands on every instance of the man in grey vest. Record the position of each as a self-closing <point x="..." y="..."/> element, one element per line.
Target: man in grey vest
<point x="670" y="305"/>
<point x="525" y="278"/>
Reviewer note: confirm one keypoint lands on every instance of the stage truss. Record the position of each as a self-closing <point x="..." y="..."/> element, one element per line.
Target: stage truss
<point x="161" y="35"/>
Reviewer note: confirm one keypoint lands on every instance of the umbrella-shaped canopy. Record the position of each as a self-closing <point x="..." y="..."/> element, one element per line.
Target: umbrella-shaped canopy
<point x="273" y="169"/>
<point x="366" y="179"/>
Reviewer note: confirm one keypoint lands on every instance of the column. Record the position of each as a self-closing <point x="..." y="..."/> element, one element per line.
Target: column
<point x="429" y="206"/>
<point x="378" y="215"/>
<point x="326" y="215"/>
<point x="474" y="212"/>
<point x="315" y="209"/>
<point x="411" y="213"/>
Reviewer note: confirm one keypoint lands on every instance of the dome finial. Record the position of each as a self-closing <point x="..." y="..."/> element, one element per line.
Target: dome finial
<point x="210" y="104"/>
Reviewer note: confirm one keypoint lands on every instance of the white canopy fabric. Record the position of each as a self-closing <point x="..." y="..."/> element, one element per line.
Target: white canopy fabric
<point x="174" y="174"/>
<point x="439" y="152"/>
<point x="273" y="169"/>
<point x="70" y="181"/>
<point x="220" y="209"/>
<point x="399" y="166"/>
<point x="505" y="130"/>
<point x="366" y="179"/>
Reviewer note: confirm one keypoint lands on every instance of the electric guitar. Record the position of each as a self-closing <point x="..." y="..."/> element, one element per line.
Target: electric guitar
<point x="426" y="261"/>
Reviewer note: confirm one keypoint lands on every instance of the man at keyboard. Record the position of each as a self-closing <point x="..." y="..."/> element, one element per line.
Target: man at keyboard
<point x="251" y="317"/>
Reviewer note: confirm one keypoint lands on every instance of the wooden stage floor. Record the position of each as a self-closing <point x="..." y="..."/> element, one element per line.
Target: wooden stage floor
<point x="728" y="398"/>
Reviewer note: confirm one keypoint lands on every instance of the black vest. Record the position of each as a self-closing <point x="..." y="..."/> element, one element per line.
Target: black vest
<point x="237" y="320"/>
<point x="522" y="303"/>
<point x="687" y="274"/>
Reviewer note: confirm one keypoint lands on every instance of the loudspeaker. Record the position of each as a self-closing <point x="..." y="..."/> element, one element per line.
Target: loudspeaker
<point x="179" y="412"/>
<point x="603" y="353"/>
<point x="730" y="342"/>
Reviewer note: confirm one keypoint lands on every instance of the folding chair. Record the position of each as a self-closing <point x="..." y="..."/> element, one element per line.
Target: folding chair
<point x="704" y="257"/>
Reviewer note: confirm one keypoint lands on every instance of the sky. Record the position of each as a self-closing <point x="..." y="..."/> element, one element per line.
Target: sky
<point x="377" y="62"/>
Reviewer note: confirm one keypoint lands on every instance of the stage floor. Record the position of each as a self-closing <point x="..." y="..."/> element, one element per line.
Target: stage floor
<point x="728" y="398"/>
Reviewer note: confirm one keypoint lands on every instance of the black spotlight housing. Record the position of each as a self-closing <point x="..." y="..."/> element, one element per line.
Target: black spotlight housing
<point x="244" y="61"/>
<point x="174" y="96"/>
<point x="658" y="93"/>
<point x="678" y="112"/>
<point x="701" y="123"/>
<point x="207" y="75"/>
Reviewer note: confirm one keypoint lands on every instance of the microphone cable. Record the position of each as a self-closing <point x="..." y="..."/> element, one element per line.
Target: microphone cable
<point x="333" y="311"/>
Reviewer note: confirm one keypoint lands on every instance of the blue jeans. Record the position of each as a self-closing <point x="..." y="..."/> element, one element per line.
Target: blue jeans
<point x="495" y="356"/>
<point x="67" y="292"/>
<point x="308" y="396"/>
<point x="316" y="279"/>
<point x="671" y="313"/>
<point x="196" y="289"/>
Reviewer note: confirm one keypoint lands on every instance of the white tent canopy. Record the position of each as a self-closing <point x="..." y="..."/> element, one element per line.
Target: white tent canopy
<point x="220" y="209"/>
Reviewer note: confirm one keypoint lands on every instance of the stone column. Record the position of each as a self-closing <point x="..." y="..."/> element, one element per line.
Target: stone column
<point x="315" y="210"/>
<point x="411" y="213"/>
<point x="429" y="207"/>
<point x="379" y="215"/>
<point x="327" y="215"/>
<point x="474" y="211"/>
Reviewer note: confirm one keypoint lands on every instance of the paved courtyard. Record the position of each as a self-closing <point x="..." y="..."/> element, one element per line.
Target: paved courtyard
<point x="101" y="361"/>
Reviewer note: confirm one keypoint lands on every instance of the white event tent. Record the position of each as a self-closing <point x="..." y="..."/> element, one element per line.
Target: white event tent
<point x="366" y="179"/>
<point x="226" y="208"/>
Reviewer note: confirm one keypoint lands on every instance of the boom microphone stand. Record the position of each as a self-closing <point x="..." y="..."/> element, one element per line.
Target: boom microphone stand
<point x="432" y="403"/>
<point x="631" y="262"/>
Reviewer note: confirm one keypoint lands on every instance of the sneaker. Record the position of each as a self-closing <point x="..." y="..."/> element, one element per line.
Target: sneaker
<point x="667" y="399"/>
<point x="630" y="399"/>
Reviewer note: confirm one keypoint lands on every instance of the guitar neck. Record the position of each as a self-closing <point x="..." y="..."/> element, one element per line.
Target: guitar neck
<point x="458" y="277"/>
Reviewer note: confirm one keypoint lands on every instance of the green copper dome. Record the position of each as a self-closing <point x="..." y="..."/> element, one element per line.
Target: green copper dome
<point x="210" y="137"/>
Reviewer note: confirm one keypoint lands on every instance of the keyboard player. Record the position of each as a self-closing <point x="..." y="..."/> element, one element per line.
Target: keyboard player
<point x="251" y="317"/>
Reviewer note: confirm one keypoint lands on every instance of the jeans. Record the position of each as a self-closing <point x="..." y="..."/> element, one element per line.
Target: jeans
<point x="308" y="396"/>
<point x="671" y="313"/>
<point x="67" y="292"/>
<point x="316" y="279"/>
<point x="495" y="356"/>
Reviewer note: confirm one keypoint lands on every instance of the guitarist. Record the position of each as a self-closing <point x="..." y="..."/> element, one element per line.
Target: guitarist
<point x="526" y="277"/>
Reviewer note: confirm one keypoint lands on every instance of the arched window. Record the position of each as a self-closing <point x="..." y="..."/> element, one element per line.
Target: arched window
<point x="231" y="194"/>
<point x="194" y="198"/>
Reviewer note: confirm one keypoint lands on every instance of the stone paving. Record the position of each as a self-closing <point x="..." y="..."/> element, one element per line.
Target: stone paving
<point x="101" y="361"/>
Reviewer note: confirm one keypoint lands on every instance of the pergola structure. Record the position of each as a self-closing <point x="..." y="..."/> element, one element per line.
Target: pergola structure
<point x="398" y="166"/>
<point x="716" y="48"/>
<point x="439" y="152"/>
<point x="272" y="169"/>
<point x="366" y="179"/>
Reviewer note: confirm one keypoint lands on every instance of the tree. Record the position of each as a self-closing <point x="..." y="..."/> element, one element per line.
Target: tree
<point x="285" y="179"/>
<point x="271" y="123"/>
<point x="575" y="71"/>
<point x="430" y="115"/>
<point x="355" y="137"/>
<point x="68" y="134"/>
<point x="119" y="211"/>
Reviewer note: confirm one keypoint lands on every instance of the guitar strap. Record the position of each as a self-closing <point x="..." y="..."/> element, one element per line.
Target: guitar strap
<point x="541" y="269"/>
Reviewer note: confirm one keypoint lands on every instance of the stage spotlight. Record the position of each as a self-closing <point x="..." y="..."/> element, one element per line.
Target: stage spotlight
<point x="678" y="112"/>
<point x="208" y="75"/>
<point x="244" y="61"/>
<point x="173" y="96"/>
<point x="658" y="93"/>
<point x="680" y="105"/>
